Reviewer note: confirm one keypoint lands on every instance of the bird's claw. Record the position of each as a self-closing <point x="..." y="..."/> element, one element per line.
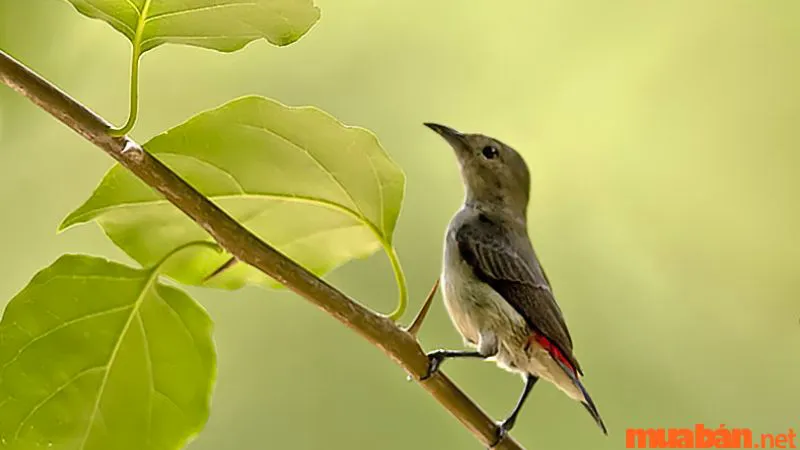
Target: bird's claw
<point x="502" y="432"/>
<point x="435" y="359"/>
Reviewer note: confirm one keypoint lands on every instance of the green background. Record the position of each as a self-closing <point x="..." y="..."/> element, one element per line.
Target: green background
<point x="663" y="142"/>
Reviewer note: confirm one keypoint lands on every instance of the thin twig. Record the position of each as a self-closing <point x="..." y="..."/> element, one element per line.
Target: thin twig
<point x="413" y="329"/>
<point x="227" y="265"/>
<point x="398" y="344"/>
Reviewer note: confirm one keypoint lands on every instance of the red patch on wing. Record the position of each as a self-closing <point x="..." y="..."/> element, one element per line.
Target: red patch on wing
<point x="551" y="348"/>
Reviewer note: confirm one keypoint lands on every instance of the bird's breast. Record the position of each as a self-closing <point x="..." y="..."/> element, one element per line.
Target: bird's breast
<point x="461" y="299"/>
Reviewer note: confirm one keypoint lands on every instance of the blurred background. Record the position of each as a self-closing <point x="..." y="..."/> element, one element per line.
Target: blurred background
<point x="663" y="142"/>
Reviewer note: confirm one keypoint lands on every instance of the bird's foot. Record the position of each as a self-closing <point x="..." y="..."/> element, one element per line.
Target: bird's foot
<point x="502" y="431"/>
<point x="435" y="359"/>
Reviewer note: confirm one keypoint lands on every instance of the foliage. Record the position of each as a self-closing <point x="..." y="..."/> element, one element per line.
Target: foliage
<point x="95" y="354"/>
<point x="321" y="197"/>
<point x="102" y="355"/>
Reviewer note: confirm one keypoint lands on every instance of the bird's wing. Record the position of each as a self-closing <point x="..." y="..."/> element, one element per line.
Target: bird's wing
<point x="519" y="279"/>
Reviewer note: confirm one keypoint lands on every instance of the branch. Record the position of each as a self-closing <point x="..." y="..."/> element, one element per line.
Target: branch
<point x="415" y="326"/>
<point x="398" y="344"/>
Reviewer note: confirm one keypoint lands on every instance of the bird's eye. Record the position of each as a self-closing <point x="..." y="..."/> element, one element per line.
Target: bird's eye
<point x="489" y="152"/>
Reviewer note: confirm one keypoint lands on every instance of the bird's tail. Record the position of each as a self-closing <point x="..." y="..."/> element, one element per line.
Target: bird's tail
<point x="587" y="400"/>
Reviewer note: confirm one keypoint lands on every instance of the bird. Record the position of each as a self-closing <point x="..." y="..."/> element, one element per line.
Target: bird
<point x="495" y="290"/>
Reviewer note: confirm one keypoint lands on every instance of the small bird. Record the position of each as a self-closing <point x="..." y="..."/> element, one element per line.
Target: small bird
<point x="495" y="291"/>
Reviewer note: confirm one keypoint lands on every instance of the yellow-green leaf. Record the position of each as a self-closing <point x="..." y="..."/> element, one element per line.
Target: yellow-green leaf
<point x="321" y="192"/>
<point x="95" y="355"/>
<point x="224" y="25"/>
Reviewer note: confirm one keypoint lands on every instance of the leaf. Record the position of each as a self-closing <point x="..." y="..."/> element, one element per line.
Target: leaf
<point x="95" y="355"/>
<point x="224" y="25"/>
<point x="321" y="192"/>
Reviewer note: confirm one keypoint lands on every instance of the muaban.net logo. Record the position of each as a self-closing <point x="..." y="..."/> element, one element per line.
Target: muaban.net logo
<point x="702" y="437"/>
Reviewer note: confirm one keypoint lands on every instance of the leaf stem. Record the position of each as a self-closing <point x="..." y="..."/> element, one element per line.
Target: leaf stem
<point x="134" y="98"/>
<point x="155" y="268"/>
<point x="133" y="113"/>
<point x="400" y="278"/>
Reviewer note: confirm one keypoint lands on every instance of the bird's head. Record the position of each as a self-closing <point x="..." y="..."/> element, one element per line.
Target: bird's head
<point x="495" y="175"/>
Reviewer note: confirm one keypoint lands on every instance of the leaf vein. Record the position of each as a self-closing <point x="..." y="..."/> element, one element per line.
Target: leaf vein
<point x="135" y="8"/>
<point x="176" y="315"/>
<point x="111" y="19"/>
<point x="196" y="9"/>
<point x="149" y="360"/>
<point x="316" y="160"/>
<point x="52" y="395"/>
<point x="259" y="196"/>
<point x="61" y="327"/>
<point x="169" y="399"/>
<point x="146" y="42"/>
<point x="112" y="358"/>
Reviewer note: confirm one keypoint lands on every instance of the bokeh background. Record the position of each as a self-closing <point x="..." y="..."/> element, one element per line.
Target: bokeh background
<point x="663" y="142"/>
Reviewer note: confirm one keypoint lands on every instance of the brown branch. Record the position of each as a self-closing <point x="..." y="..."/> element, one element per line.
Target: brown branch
<point x="398" y="344"/>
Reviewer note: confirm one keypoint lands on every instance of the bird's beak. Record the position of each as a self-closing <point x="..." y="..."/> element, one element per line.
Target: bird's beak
<point x="455" y="138"/>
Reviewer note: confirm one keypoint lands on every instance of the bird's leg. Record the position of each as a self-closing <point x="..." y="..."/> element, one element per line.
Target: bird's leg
<point x="505" y="426"/>
<point x="437" y="357"/>
<point x="487" y="347"/>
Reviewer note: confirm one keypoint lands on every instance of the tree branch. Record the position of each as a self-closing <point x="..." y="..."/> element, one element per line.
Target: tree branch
<point x="416" y="325"/>
<point x="398" y="344"/>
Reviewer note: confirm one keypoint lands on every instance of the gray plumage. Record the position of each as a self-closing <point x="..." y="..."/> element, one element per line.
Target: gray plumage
<point x="494" y="287"/>
<point x="501" y="255"/>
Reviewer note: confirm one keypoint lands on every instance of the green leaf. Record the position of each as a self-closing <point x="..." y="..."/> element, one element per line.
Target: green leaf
<point x="224" y="25"/>
<point x="321" y="192"/>
<point x="95" y="355"/>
